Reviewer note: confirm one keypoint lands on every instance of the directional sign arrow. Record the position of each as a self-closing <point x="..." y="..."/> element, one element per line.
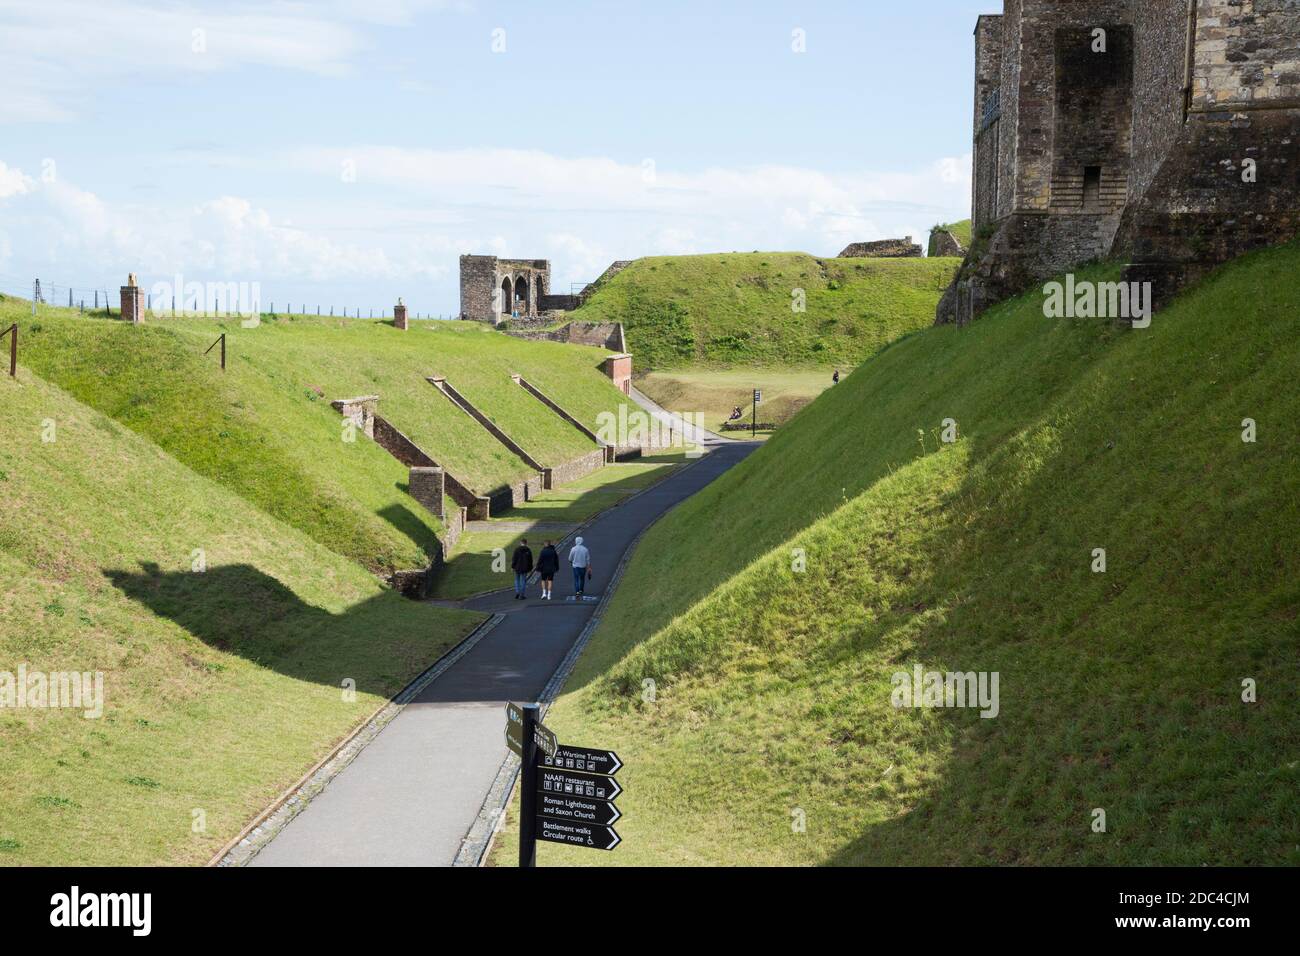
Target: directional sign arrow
<point x="515" y="728"/>
<point x="577" y="834"/>
<point x="576" y="809"/>
<point x="561" y="782"/>
<point x="546" y="741"/>
<point x="585" y="760"/>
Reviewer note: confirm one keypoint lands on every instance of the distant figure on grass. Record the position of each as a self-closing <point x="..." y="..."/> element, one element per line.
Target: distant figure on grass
<point x="736" y="413"/>
<point x="835" y="379"/>
<point x="521" y="563"/>
<point x="580" y="558"/>
<point x="548" y="562"/>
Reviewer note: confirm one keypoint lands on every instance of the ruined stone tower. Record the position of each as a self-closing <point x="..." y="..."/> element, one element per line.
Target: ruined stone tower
<point x="1162" y="132"/>
<point x="492" y="289"/>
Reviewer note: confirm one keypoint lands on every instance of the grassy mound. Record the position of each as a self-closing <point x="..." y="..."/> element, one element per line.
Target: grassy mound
<point x="744" y="669"/>
<point x="767" y="308"/>
<point x="265" y="428"/>
<point x="220" y="687"/>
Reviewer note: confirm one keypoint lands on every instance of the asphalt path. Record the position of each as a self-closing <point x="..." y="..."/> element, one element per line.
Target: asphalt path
<point x="410" y="796"/>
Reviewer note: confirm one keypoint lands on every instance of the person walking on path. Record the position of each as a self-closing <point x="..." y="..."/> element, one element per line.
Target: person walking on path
<point x="580" y="558"/>
<point x="522" y="564"/>
<point x="548" y="562"/>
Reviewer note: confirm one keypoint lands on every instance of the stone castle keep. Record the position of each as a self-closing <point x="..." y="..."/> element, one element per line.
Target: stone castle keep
<point x="1163" y="133"/>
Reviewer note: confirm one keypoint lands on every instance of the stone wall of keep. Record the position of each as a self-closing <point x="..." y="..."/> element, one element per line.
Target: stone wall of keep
<point x="1033" y="66"/>
<point x="1009" y="121"/>
<point x="1159" y="82"/>
<point x="988" y="87"/>
<point x="1094" y="118"/>
<point x="1247" y="52"/>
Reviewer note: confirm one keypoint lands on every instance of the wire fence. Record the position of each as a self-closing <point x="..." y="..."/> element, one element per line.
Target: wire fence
<point x="92" y="299"/>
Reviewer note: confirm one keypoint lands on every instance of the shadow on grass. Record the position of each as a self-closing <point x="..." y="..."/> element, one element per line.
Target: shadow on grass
<point x="380" y="642"/>
<point x="408" y="523"/>
<point x="1121" y="690"/>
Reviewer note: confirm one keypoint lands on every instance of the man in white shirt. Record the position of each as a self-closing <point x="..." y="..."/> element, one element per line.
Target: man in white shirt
<point x="580" y="558"/>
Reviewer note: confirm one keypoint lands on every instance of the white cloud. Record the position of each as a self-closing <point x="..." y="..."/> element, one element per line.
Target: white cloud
<point x="402" y="226"/>
<point x="13" y="181"/>
<point x="56" y="52"/>
<point x="686" y="210"/>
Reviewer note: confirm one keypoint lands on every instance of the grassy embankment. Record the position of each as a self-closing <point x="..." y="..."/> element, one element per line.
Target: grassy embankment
<point x="771" y="614"/>
<point x="221" y="685"/>
<point x="709" y="329"/>
<point x="264" y="428"/>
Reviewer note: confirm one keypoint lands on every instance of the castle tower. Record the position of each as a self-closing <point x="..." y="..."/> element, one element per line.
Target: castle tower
<point x="1122" y="128"/>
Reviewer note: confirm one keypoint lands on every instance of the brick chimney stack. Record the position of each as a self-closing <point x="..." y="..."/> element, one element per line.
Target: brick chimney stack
<point x="399" y="315"/>
<point x="132" y="301"/>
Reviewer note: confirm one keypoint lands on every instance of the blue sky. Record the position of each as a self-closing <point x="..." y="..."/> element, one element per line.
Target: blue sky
<point x="346" y="152"/>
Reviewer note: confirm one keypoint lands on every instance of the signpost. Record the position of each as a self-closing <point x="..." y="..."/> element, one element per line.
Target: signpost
<point x="545" y="740"/>
<point x="753" y="422"/>
<point x="567" y="793"/>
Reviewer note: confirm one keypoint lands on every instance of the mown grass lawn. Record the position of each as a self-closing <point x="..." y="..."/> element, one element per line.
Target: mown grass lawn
<point x="224" y="637"/>
<point x="770" y="614"/>
<point x="715" y="392"/>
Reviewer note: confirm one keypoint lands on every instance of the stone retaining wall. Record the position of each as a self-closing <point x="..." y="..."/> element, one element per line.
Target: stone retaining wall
<point x="882" y="249"/>
<point x="604" y="335"/>
<point x="555" y="406"/>
<point x="398" y="445"/>
<point x="522" y="488"/>
<point x="578" y="467"/>
<point x="944" y="244"/>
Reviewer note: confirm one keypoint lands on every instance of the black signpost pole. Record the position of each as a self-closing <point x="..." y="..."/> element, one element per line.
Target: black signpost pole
<point x="528" y="795"/>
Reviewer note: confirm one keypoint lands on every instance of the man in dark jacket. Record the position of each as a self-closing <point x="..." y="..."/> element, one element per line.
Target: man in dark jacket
<point x="521" y="563"/>
<point x="548" y="562"/>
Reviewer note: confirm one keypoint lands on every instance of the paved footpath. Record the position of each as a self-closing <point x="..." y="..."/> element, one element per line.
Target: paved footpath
<point x="409" y="798"/>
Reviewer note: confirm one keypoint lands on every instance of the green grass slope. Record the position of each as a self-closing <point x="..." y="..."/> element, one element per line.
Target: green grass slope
<point x="738" y="308"/>
<point x="350" y="357"/>
<point x="1120" y="691"/>
<point x="220" y="688"/>
<point x="265" y="428"/>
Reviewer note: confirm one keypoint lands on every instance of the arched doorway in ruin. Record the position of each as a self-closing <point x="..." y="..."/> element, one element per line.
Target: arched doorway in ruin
<point x="522" y="298"/>
<point x="505" y="296"/>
